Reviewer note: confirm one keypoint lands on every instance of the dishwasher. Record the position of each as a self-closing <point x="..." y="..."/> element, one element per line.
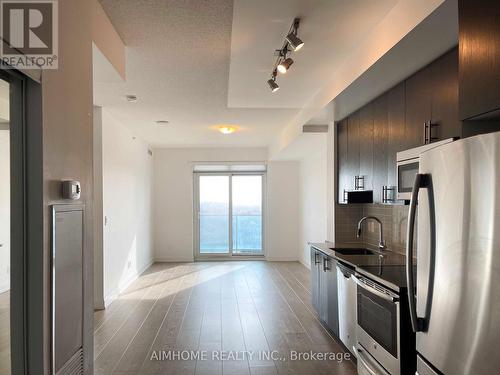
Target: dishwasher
<point x="347" y="306"/>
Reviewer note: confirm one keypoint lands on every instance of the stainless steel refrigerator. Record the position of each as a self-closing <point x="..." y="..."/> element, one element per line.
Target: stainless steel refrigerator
<point x="456" y="312"/>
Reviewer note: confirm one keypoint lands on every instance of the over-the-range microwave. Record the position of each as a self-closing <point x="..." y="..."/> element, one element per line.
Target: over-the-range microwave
<point x="407" y="167"/>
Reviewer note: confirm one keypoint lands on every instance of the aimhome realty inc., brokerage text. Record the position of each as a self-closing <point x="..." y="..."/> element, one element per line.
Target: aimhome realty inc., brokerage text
<point x="243" y="355"/>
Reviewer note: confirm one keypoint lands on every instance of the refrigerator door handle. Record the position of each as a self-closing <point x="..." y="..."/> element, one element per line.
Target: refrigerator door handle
<point x="421" y="181"/>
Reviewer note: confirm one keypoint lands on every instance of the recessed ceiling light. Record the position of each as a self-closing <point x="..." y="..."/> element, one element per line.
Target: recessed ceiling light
<point x="131" y="98"/>
<point x="162" y="122"/>
<point x="227" y="129"/>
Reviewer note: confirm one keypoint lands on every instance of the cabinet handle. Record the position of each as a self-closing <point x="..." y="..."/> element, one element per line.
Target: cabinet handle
<point x="430" y="137"/>
<point x="316" y="261"/>
<point x="326" y="267"/>
<point x="359" y="182"/>
<point x="426" y="138"/>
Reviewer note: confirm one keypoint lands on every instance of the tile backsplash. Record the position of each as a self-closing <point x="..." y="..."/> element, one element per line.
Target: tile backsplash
<point x="393" y="217"/>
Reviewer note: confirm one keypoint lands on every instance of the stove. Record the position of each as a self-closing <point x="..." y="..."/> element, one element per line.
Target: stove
<point x="391" y="276"/>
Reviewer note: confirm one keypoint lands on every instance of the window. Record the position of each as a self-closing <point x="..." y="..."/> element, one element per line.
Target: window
<point x="229" y="213"/>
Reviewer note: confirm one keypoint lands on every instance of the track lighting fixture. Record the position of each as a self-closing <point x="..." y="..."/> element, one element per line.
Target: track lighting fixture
<point x="272" y="82"/>
<point x="284" y="65"/>
<point x="273" y="85"/>
<point x="292" y="43"/>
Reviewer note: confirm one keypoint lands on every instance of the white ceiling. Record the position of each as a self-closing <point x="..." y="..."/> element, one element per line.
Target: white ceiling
<point x="188" y="62"/>
<point x="330" y="30"/>
<point x="202" y="63"/>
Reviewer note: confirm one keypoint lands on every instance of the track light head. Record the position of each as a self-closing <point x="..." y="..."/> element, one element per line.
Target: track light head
<point x="273" y="85"/>
<point x="294" y="41"/>
<point x="284" y="65"/>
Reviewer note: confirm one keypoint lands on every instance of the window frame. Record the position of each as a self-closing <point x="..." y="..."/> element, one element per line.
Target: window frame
<point x="196" y="224"/>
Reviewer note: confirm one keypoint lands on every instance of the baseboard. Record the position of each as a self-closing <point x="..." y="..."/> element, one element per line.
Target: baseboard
<point x="5" y="287"/>
<point x="282" y="259"/>
<point x="304" y="263"/>
<point x="188" y="259"/>
<point x="117" y="291"/>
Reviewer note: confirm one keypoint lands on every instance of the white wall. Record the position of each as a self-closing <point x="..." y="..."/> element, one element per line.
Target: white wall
<point x="127" y="192"/>
<point x="331" y="183"/>
<point x="98" y="221"/>
<point x="173" y="200"/>
<point x="283" y="210"/>
<point x="313" y="200"/>
<point x="4" y="210"/>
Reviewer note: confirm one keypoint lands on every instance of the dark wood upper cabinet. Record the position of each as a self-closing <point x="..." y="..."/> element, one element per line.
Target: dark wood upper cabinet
<point x="353" y="147"/>
<point x="366" y="145"/>
<point x="369" y="138"/>
<point x="432" y="102"/>
<point x="479" y="57"/>
<point x="445" y="116"/>
<point x="343" y="172"/>
<point x="380" y="145"/>
<point x="395" y="129"/>
<point x="418" y="106"/>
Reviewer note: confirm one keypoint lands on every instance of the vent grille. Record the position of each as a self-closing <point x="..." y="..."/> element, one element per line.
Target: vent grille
<point x="74" y="366"/>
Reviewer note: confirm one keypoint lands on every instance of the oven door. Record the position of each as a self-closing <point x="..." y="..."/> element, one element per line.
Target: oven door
<point x="407" y="170"/>
<point x="367" y="365"/>
<point x="378" y="324"/>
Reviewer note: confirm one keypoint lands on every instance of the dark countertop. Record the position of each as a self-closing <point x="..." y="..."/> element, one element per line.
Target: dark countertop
<point x="387" y="269"/>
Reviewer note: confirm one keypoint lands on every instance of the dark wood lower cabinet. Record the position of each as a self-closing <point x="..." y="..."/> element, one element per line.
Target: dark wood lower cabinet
<point x="329" y="281"/>
<point x="315" y="267"/>
<point x="324" y="289"/>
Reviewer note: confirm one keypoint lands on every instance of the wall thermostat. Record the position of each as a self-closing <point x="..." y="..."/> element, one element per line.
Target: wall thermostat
<point x="71" y="189"/>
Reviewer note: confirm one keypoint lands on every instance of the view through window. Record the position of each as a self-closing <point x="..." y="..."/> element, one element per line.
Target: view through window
<point x="230" y="214"/>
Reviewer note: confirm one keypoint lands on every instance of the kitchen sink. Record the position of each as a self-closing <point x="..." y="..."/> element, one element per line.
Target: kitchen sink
<point x="353" y="251"/>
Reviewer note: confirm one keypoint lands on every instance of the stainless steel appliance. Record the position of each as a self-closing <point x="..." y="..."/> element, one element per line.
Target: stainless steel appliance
<point x="378" y="330"/>
<point x="347" y="306"/>
<point x="407" y="167"/>
<point x="456" y="313"/>
<point x="385" y="340"/>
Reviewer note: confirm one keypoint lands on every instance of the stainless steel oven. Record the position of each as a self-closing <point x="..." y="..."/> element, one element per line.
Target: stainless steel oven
<point x="407" y="167"/>
<point x="378" y="328"/>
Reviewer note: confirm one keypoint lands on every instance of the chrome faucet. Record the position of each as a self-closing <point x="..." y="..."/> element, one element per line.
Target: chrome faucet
<point x="381" y="242"/>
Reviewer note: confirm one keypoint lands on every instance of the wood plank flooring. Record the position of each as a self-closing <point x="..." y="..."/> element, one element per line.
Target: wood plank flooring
<point x="5" y="333"/>
<point x="213" y="309"/>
